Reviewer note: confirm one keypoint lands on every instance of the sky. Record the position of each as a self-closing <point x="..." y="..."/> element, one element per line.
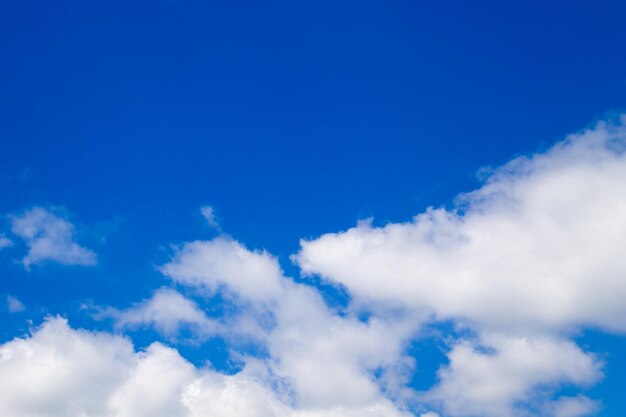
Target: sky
<point x="312" y="209"/>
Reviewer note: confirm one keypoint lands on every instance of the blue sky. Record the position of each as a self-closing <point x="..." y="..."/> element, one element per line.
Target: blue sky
<point x="311" y="129"/>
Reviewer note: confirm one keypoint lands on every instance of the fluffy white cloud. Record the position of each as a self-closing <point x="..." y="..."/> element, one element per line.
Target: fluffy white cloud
<point x="492" y="380"/>
<point x="538" y="246"/>
<point x="60" y="372"/>
<point x="49" y="238"/>
<point x="533" y="254"/>
<point x="223" y="263"/>
<point x="167" y="311"/>
<point x="154" y="385"/>
<point x="330" y="359"/>
<point x="327" y="359"/>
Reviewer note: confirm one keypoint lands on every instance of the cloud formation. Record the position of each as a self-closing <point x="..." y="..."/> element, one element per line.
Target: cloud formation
<point x="49" y="238"/>
<point x="209" y="215"/>
<point x="490" y="383"/>
<point x="327" y="360"/>
<point x="535" y="253"/>
<point x="516" y="268"/>
<point x="167" y="311"/>
<point x="59" y="372"/>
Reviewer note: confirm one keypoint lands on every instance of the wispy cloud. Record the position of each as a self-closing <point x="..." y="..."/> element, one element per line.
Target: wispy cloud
<point x="5" y="242"/>
<point x="14" y="305"/>
<point x="208" y="213"/>
<point x="49" y="238"/>
<point x="167" y="311"/>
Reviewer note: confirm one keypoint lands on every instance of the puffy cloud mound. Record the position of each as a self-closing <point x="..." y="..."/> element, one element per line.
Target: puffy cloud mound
<point x="535" y="253"/>
<point x="489" y="383"/>
<point x="223" y="263"/>
<point x="539" y="246"/>
<point x="327" y="360"/>
<point x="49" y="238"/>
<point x="59" y="372"/>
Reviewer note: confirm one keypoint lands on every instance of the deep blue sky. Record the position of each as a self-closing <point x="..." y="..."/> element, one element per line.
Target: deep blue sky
<point x="291" y="118"/>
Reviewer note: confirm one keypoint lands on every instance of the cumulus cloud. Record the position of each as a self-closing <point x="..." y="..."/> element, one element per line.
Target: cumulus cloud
<point x="167" y="311"/>
<point x="327" y="359"/>
<point x="59" y="371"/>
<point x="536" y="253"/>
<point x="223" y="263"/>
<point x="492" y="380"/>
<point x="538" y="246"/>
<point x="49" y="238"/>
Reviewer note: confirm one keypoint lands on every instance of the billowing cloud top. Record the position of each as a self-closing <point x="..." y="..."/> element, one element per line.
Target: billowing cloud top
<point x="539" y="247"/>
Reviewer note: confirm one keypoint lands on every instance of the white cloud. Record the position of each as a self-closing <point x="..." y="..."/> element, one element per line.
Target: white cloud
<point x="492" y="382"/>
<point x="5" y="242"/>
<point x="60" y="372"/>
<point x="327" y="359"/>
<point x="167" y="311"/>
<point x="14" y="305"/>
<point x="579" y="406"/>
<point x="209" y="215"/>
<point x="49" y="238"/>
<point x="223" y="263"/>
<point x="538" y="246"/>
<point x="319" y="363"/>
<point x="522" y="262"/>
<point x="533" y="255"/>
<point x="154" y="385"/>
<point x="330" y="359"/>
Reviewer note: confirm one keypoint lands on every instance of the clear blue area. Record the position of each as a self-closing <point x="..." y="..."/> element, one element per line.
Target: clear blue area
<point x="291" y="118"/>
